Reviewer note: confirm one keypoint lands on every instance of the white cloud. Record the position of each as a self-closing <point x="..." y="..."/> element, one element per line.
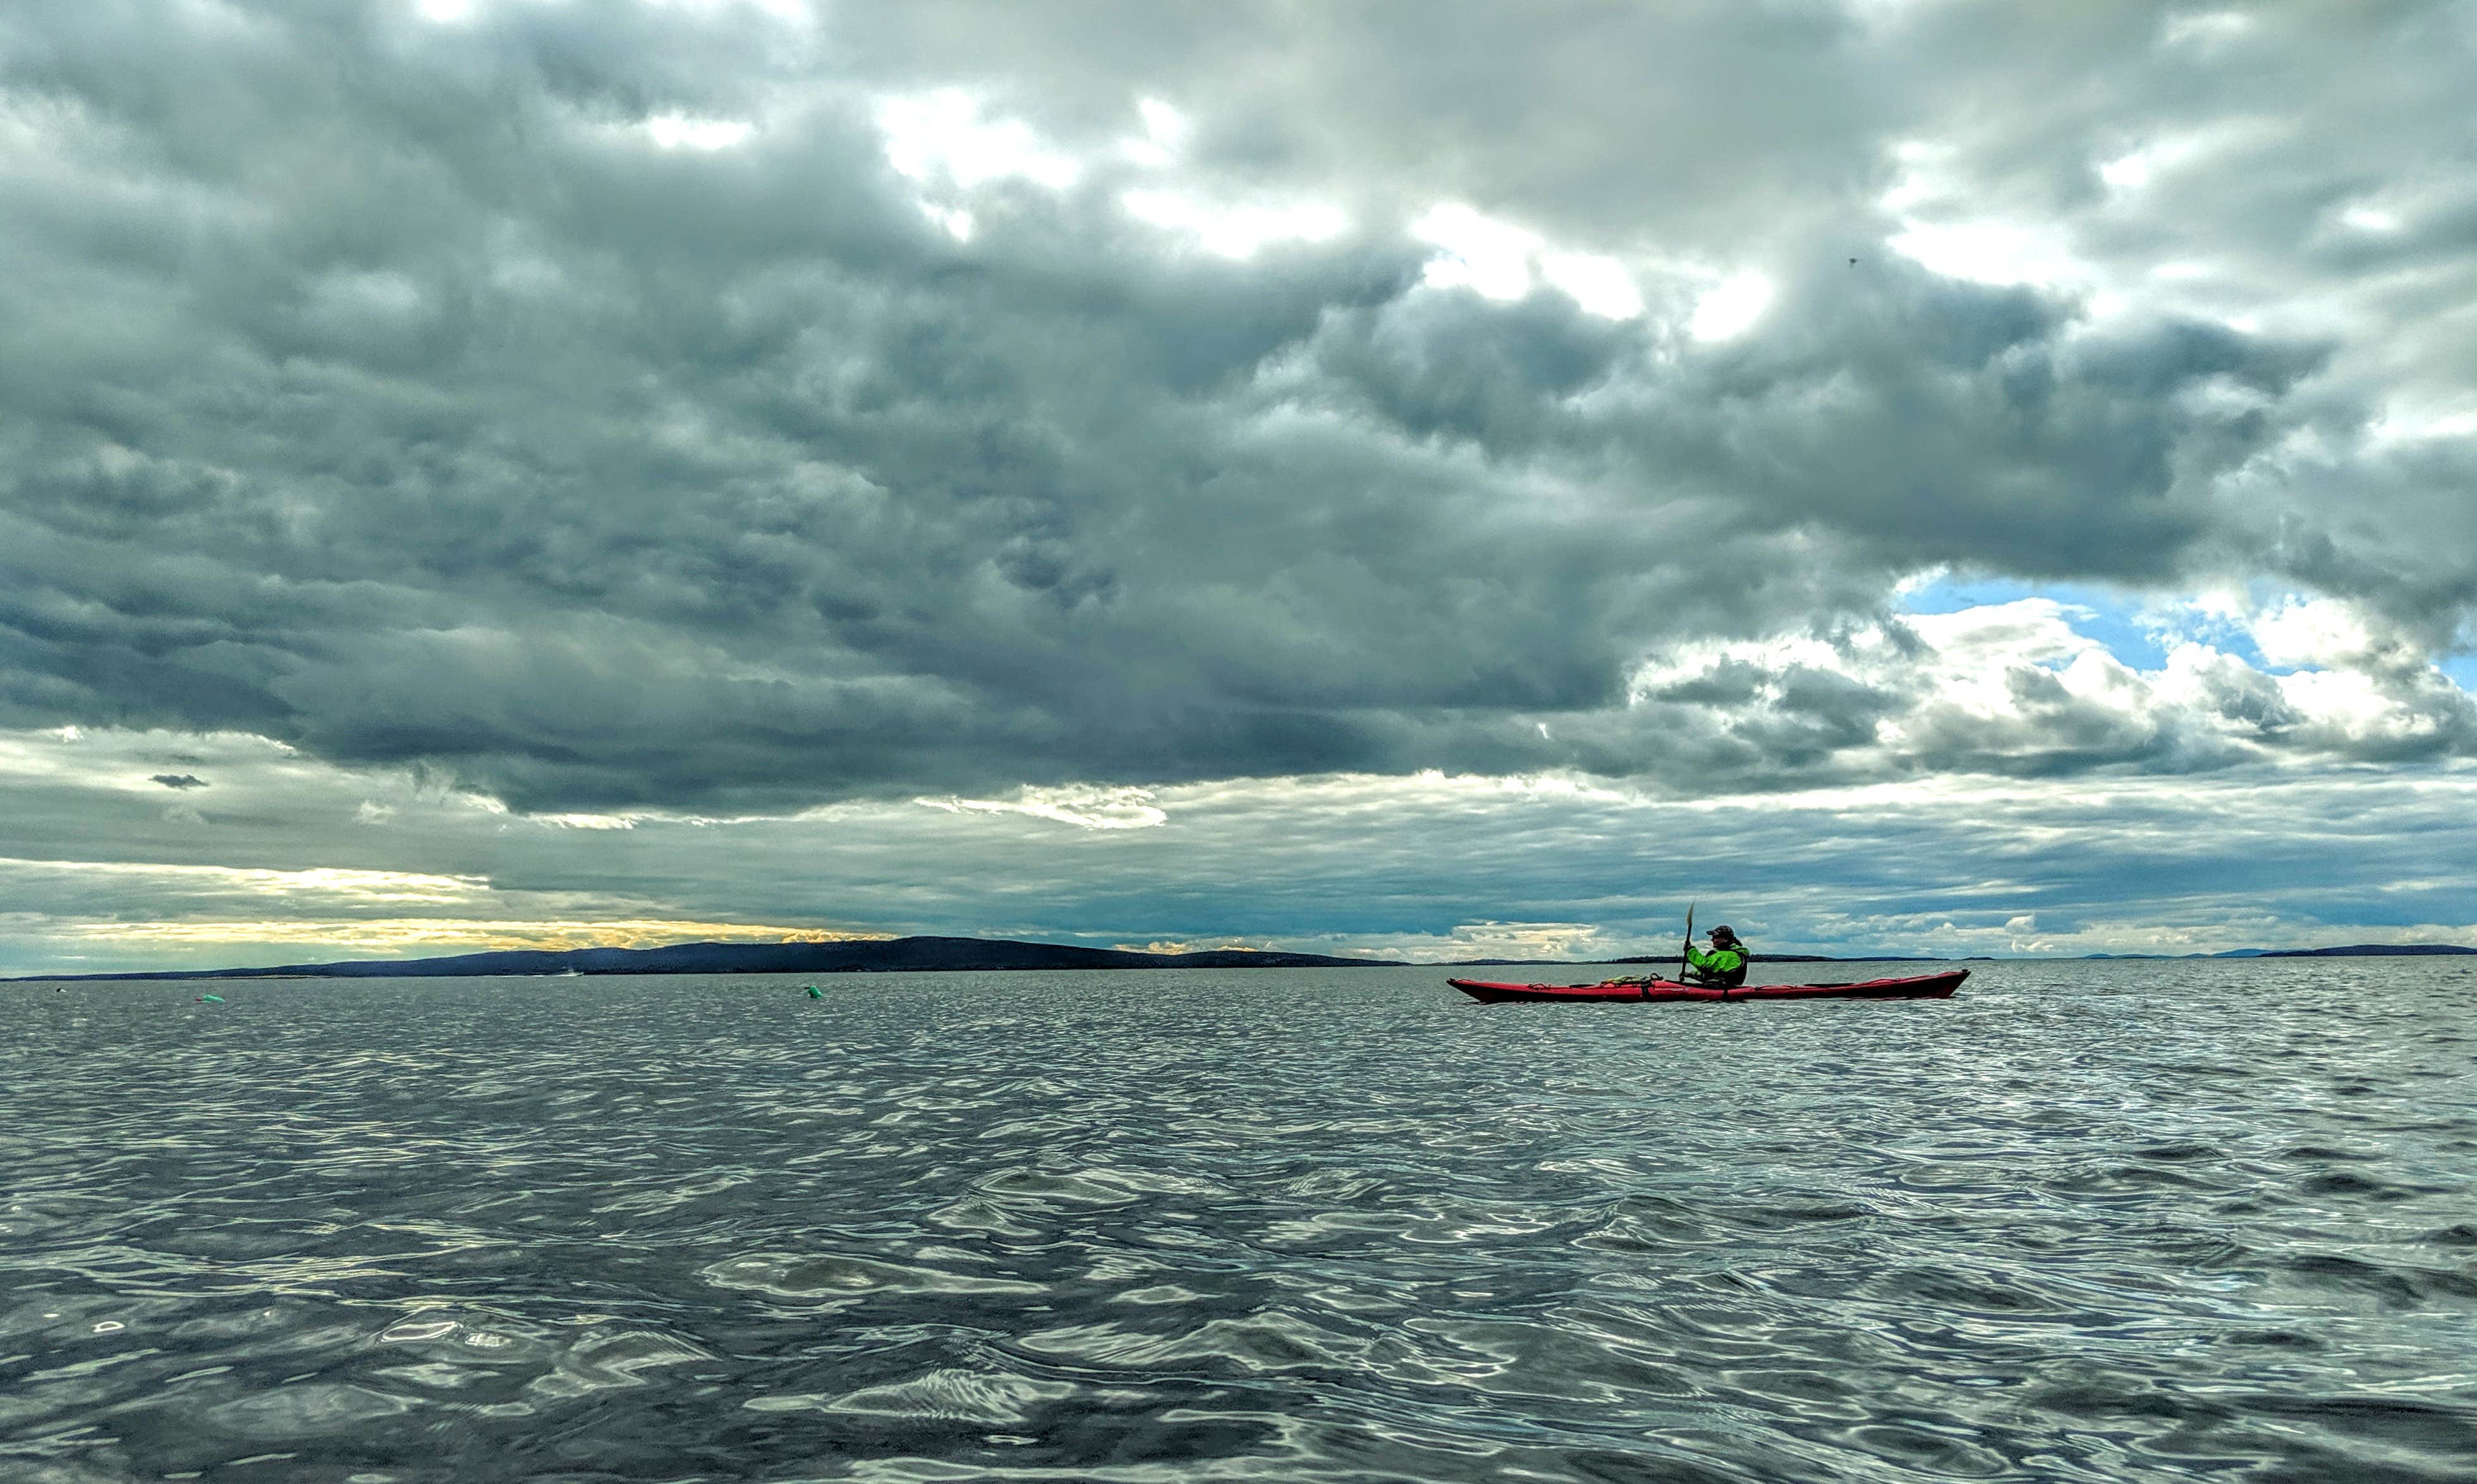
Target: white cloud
<point x="1526" y="940"/>
<point x="2138" y="168"/>
<point x="788" y="12"/>
<point x="2204" y="29"/>
<point x="1236" y="231"/>
<point x="679" y="131"/>
<point x="1498" y="260"/>
<point x="1491" y="258"/>
<point x="2422" y="420"/>
<point x="1086" y="808"/>
<point x="1946" y="225"/>
<point x="365" y="937"/>
<point x="460" y="12"/>
<point x="942" y="136"/>
<point x="1600" y="284"/>
<point x="1166" y="132"/>
<point x="2018" y="679"/>
<point x="1991" y="251"/>
<point x="2126" y="171"/>
<point x="334" y="885"/>
<point x="1731" y="308"/>
<point x="2313" y="631"/>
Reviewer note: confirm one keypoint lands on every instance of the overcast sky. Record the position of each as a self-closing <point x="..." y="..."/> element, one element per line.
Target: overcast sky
<point x="1914" y="475"/>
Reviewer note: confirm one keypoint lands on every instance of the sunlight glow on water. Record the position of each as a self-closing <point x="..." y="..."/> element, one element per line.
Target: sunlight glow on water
<point x="2107" y="1221"/>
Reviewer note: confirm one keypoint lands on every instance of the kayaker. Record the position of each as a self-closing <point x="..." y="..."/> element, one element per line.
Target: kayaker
<point x="1724" y="966"/>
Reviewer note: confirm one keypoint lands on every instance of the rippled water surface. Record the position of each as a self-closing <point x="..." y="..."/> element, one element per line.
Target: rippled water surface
<point x="2085" y="1222"/>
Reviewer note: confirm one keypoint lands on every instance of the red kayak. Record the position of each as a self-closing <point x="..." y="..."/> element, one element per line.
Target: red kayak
<point x="1668" y="992"/>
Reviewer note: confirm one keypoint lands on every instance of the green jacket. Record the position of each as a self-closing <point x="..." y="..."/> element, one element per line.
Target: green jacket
<point x="1725" y="967"/>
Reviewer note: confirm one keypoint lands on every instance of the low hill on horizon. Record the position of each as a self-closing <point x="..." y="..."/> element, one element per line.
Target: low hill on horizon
<point x="897" y="955"/>
<point x="2356" y="950"/>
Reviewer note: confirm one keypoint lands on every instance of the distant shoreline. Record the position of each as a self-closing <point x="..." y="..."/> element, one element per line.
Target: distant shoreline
<point x="959" y="955"/>
<point x="895" y="955"/>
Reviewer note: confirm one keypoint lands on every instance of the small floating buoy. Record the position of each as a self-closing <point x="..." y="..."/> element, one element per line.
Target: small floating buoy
<point x="815" y="993"/>
<point x="211" y="1000"/>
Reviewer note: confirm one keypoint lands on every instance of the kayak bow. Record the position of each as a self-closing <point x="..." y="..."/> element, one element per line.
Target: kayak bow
<point x="1660" y="992"/>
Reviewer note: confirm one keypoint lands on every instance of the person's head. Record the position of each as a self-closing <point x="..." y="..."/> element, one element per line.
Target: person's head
<point x="1723" y="937"/>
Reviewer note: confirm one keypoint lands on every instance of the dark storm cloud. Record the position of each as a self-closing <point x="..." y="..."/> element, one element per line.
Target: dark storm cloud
<point x="1917" y="418"/>
<point x="384" y="387"/>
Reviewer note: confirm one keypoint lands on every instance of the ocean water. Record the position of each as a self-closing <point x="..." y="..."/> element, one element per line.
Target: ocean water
<point x="2101" y="1221"/>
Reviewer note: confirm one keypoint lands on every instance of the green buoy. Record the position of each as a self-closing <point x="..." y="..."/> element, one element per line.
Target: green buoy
<point x="815" y="993"/>
<point x="211" y="1000"/>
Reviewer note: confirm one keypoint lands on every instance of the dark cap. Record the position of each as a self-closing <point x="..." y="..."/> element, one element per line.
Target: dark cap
<point x="1723" y="934"/>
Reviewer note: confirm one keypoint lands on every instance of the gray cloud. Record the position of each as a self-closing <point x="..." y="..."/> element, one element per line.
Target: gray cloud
<point x="385" y="388"/>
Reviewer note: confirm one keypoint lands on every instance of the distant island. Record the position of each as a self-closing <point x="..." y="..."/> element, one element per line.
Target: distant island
<point x="2353" y="950"/>
<point x="897" y="955"/>
<point x="2367" y="951"/>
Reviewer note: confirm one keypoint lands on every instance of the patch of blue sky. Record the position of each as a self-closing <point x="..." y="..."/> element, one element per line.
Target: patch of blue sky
<point x="2112" y="618"/>
<point x="2138" y="628"/>
<point x="2463" y="670"/>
